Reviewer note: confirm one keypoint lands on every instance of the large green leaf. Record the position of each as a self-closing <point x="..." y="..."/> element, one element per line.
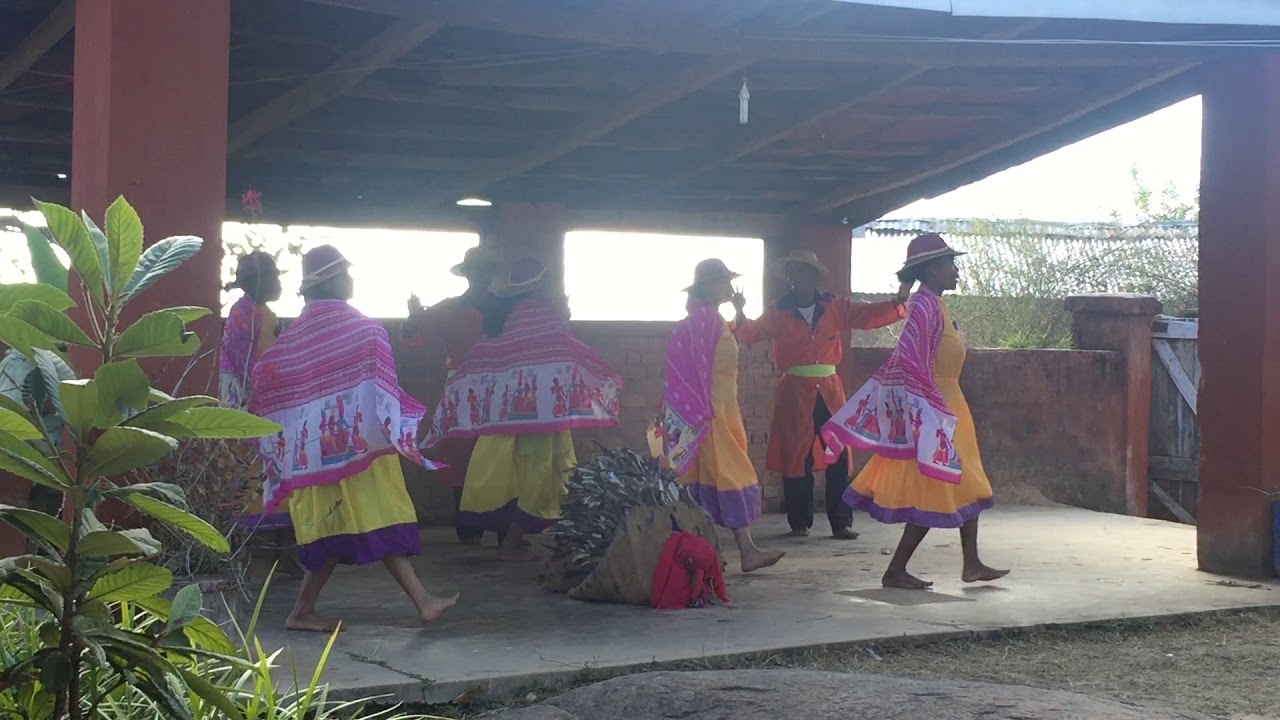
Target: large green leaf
<point x="189" y="313"/>
<point x="50" y="321"/>
<point x="211" y="694"/>
<point x="123" y="390"/>
<point x="18" y="425"/>
<point x="167" y="409"/>
<point x="167" y="492"/>
<point x="14" y="369"/>
<point x="22" y="336"/>
<point x="53" y="372"/>
<point x="102" y="246"/>
<point x="16" y="406"/>
<point x="135" y="581"/>
<point x="107" y="543"/>
<point x="21" y="459"/>
<point x="124" y="236"/>
<point x="143" y="540"/>
<point x="186" y="607"/>
<point x="122" y="448"/>
<point x="198" y="529"/>
<point x="157" y="334"/>
<point x="44" y="261"/>
<point x="80" y="405"/>
<point x="216" y="423"/>
<point x="72" y="236"/>
<point x="11" y="295"/>
<point x="42" y="528"/>
<point x="160" y="260"/>
<point x="202" y="632"/>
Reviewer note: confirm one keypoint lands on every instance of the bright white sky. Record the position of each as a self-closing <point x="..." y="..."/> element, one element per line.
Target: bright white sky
<point x="642" y="279"/>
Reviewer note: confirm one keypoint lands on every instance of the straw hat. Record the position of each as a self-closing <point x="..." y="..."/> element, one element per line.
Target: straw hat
<point x="803" y="257"/>
<point x="524" y="275"/>
<point x="475" y="256"/>
<point x="924" y="248"/>
<point x="320" y="264"/>
<point x="709" y="271"/>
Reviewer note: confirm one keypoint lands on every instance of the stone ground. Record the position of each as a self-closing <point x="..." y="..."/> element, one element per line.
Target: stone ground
<point x="1070" y="566"/>
<point x="773" y="694"/>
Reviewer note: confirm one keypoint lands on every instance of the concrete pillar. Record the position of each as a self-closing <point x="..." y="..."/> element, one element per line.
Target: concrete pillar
<point x="150" y="123"/>
<point x="529" y="230"/>
<point x="1239" y="343"/>
<point x="1122" y="323"/>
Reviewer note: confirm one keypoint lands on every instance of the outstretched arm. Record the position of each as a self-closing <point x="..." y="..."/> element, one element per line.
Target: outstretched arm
<point x="855" y="315"/>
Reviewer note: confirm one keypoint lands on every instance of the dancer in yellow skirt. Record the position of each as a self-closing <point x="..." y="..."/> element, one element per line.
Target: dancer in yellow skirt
<point x="330" y="382"/>
<point x="522" y="390"/>
<point x="699" y="431"/>
<point x="927" y="471"/>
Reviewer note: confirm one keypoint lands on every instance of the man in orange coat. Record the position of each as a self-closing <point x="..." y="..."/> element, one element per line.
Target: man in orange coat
<point x="805" y="327"/>
<point x="455" y="324"/>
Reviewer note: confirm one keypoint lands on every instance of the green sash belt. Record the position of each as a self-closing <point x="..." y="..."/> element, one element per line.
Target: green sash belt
<point x="812" y="371"/>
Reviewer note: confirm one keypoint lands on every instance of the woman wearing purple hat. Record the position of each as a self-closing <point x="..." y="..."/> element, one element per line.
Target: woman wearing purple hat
<point x="522" y="390"/>
<point x="927" y="471"/>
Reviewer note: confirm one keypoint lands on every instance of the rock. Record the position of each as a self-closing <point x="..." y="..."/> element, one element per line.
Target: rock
<point x="772" y="694"/>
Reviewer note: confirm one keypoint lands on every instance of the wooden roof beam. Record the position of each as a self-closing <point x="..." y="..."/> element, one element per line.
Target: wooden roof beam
<point x="1043" y="121"/>
<point x="840" y="107"/>
<point x="644" y="34"/>
<point x="53" y="28"/>
<point x="599" y="124"/>
<point x="342" y="75"/>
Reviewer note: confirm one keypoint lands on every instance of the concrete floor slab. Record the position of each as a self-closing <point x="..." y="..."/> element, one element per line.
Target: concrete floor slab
<point x="1069" y="566"/>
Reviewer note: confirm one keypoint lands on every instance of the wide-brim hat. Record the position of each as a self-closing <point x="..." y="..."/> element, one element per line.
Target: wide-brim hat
<point x="709" y="271"/>
<point x="321" y="264"/>
<point x="475" y="256"/>
<point x="523" y="276"/>
<point x="803" y="257"/>
<point x="924" y="248"/>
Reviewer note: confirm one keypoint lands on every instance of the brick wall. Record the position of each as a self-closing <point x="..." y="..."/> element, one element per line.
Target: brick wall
<point x="1050" y="422"/>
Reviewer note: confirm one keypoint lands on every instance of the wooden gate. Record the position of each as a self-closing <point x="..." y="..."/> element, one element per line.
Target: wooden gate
<point x="1174" y="472"/>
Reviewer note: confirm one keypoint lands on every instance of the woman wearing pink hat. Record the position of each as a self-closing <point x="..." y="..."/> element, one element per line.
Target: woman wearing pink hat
<point x="927" y="471"/>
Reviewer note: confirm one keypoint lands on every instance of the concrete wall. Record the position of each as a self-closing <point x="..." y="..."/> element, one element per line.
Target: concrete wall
<point x="1050" y="422"/>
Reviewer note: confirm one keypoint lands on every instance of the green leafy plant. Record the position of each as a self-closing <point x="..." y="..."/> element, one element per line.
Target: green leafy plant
<point x="85" y="580"/>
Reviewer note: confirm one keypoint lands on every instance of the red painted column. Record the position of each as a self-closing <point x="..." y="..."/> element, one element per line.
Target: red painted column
<point x="150" y="123"/>
<point x="519" y="230"/>
<point x="1239" y="344"/>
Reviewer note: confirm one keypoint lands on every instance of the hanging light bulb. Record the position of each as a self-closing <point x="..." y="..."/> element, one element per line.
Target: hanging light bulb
<point x="744" y="102"/>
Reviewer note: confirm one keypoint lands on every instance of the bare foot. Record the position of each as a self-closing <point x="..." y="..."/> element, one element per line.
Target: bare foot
<point x="760" y="560"/>
<point x="312" y="623"/>
<point x="982" y="573"/>
<point x="434" y="607"/>
<point x="904" y="580"/>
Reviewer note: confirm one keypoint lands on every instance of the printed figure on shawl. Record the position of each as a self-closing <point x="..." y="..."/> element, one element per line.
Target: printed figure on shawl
<point x="900" y="413"/>
<point x="551" y="383"/>
<point x="339" y="416"/>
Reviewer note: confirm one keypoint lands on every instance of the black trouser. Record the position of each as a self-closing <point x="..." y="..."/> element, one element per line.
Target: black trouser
<point x="467" y="533"/>
<point x="797" y="493"/>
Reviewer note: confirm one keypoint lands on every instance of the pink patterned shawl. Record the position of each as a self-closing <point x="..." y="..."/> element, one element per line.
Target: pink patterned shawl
<point x="900" y="413"/>
<point x="536" y="377"/>
<point x="236" y="356"/>
<point x="686" y="412"/>
<point x="330" y="381"/>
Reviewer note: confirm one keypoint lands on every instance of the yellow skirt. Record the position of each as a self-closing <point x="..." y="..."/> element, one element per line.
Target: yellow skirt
<point x="360" y="520"/>
<point x="722" y="478"/>
<point x="894" y="491"/>
<point x="517" y="479"/>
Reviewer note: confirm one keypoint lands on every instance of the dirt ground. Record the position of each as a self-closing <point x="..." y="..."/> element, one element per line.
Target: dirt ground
<point x="1222" y="664"/>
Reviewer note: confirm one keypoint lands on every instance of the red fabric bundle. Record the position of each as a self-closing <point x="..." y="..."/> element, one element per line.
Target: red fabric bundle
<point x="688" y="574"/>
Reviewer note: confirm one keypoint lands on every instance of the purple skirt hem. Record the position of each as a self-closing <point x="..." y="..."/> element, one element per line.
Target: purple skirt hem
<point x="914" y="516"/>
<point x="361" y="549"/>
<point x="500" y="520"/>
<point x="731" y="509"/>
